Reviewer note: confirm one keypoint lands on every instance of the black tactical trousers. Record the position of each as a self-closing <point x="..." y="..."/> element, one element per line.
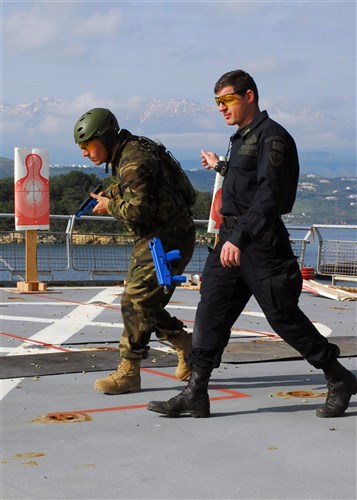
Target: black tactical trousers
<point x="226" y="291"/>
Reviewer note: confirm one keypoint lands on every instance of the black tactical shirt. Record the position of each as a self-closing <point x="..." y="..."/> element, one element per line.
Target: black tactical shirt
<point x="261" y="180"/>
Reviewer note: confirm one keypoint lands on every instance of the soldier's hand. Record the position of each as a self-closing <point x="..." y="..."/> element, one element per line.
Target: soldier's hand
<point x="101" y="207"/>
<point x="230" y="255"/>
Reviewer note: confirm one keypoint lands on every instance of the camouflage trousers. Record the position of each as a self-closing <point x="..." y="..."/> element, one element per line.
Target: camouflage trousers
<point x="143" y="301"/>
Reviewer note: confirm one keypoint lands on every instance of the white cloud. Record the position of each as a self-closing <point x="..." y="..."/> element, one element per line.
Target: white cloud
<point x="316" y="131"/>
<point x="99" y="25"/>
<point x="57" y="29"/>
<point x="192" y="143"/>
<point x="26" y="32"/>
<point x="121" y="54"/>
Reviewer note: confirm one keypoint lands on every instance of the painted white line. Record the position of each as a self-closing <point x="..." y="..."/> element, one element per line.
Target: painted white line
<point x="25" y="350"/>
<point x="254" y="333"/>
<point x="7" y="385"/>
<point x="78" y="320"/>
<point x="51" y="304"/>
<point x="257" y="314"/>
<point x="30" y="319"/>
<point x="254" y="313"/>
<point x="62" y="330"/>
<point x="74" y="321"/>
<point x="323" y="329"/>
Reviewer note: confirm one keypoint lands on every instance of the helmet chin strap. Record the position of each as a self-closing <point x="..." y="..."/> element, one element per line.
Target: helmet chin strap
<point x="117" y="144"/>
<point x="111" y="155"/>
<point x="108" y="160"/>
<point x="109" y="143"/>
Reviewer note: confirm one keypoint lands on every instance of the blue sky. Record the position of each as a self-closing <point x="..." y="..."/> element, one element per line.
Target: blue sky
<point x="121" y="54"/>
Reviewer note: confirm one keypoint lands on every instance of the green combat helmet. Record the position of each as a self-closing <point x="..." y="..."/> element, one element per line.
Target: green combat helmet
<point x="97" y="122"/>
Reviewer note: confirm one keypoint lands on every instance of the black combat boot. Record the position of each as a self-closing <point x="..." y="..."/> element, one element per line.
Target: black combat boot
<point x="193" y="399"/>
<point x="341" y="385"/>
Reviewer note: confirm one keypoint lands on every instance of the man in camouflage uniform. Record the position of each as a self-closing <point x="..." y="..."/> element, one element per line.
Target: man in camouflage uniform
<point x="152" y="197"/>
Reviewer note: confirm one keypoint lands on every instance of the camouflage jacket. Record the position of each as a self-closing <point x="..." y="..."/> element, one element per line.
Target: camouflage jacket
<point x="143" y="196"/>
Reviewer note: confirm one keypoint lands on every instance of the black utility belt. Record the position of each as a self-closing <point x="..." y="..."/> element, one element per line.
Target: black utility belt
<point x="229" y="221"/>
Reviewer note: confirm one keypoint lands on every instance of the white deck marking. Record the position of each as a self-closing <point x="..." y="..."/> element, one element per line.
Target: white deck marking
<point x="169" y="306"/>
<point x="60" y="331"/>
<point x="7" y="385"/>
<point x="31" y="319"/>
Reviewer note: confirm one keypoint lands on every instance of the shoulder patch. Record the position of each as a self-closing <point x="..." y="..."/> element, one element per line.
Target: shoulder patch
<point x="276" y="155"/>
<point x="277" y="146"/>
<point x="276" y="158"/>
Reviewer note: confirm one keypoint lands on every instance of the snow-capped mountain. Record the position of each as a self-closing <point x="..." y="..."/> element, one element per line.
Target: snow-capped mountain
<point x="184" y="126"/>
<point x="153" y="116"/>
<point x="41" y="107"/>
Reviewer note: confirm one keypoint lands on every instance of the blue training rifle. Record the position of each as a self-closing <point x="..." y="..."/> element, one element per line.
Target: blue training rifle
<point x="88" y="205"/>
<point x="162" y="261"/>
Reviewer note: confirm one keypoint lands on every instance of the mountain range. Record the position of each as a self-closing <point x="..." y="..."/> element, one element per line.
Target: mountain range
<point x="185" y="123"/>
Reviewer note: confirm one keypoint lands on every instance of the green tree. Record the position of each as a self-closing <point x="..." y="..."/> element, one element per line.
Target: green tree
<point x="68" y="192"/>
<point x="7" y="195"/>
<point x="7" y="203"/>
<point x="202" y="206"/>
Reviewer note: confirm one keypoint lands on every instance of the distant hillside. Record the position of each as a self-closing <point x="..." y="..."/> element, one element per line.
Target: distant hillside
<point x="320" y="199"/>
<point x="318" y="163"/>
<point x="326" y="200"/>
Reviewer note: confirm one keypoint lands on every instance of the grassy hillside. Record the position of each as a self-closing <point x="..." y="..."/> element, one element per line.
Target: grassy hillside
<point x="319" y="199"/>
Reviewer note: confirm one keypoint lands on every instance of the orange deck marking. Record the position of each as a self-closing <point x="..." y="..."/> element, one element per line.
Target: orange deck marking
<point x="230" y="395"/>
<point x="100" y="410"/>
<point x="155" y="372"/>
<point x="75" y="302"/>
<point x="33" y="341"/>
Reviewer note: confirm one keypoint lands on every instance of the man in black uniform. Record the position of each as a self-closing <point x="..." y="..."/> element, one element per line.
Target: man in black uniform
<point x="254" y="256"/>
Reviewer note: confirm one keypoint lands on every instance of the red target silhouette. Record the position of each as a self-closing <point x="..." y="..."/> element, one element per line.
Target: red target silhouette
<point x="216" y="206"/>
<point x="32" y="196"/>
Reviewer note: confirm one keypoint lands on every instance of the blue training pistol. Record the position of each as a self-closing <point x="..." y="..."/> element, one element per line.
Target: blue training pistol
<point x="162" y="261"/>
<point x="88" y="205"/>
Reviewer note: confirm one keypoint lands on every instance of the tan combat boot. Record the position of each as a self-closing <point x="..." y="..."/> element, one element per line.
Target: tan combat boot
<point x="182" y="344"/>
<point x="125" y="379"/>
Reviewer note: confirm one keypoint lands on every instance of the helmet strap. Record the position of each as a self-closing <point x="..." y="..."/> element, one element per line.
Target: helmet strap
<point x="118" y="144"/>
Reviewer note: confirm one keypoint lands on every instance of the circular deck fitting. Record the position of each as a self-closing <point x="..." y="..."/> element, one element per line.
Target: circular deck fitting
<point x="63" y="418"/>
<point x="300" y="394"/>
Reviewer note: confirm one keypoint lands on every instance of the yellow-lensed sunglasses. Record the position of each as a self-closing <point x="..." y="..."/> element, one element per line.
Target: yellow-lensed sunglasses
<point x="227" y="99"/>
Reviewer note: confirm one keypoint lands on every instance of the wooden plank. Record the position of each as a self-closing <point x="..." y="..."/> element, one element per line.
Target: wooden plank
<point x="31" y="255"/>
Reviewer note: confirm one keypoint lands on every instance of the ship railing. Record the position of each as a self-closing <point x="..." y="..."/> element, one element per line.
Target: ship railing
<point x="336" y="257"/>
<point x="73" y="252"/>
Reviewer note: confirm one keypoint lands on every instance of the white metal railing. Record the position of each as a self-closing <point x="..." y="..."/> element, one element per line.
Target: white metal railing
<point x="336" y="258"/>
<point x="71" y="254"/>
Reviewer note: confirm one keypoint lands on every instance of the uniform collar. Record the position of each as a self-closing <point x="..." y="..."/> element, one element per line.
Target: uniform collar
<point x="122" y="138"/>
<point x="242" y="132"/>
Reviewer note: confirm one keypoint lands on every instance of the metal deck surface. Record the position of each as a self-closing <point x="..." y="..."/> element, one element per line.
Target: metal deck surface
<point x="61" y="439"/>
